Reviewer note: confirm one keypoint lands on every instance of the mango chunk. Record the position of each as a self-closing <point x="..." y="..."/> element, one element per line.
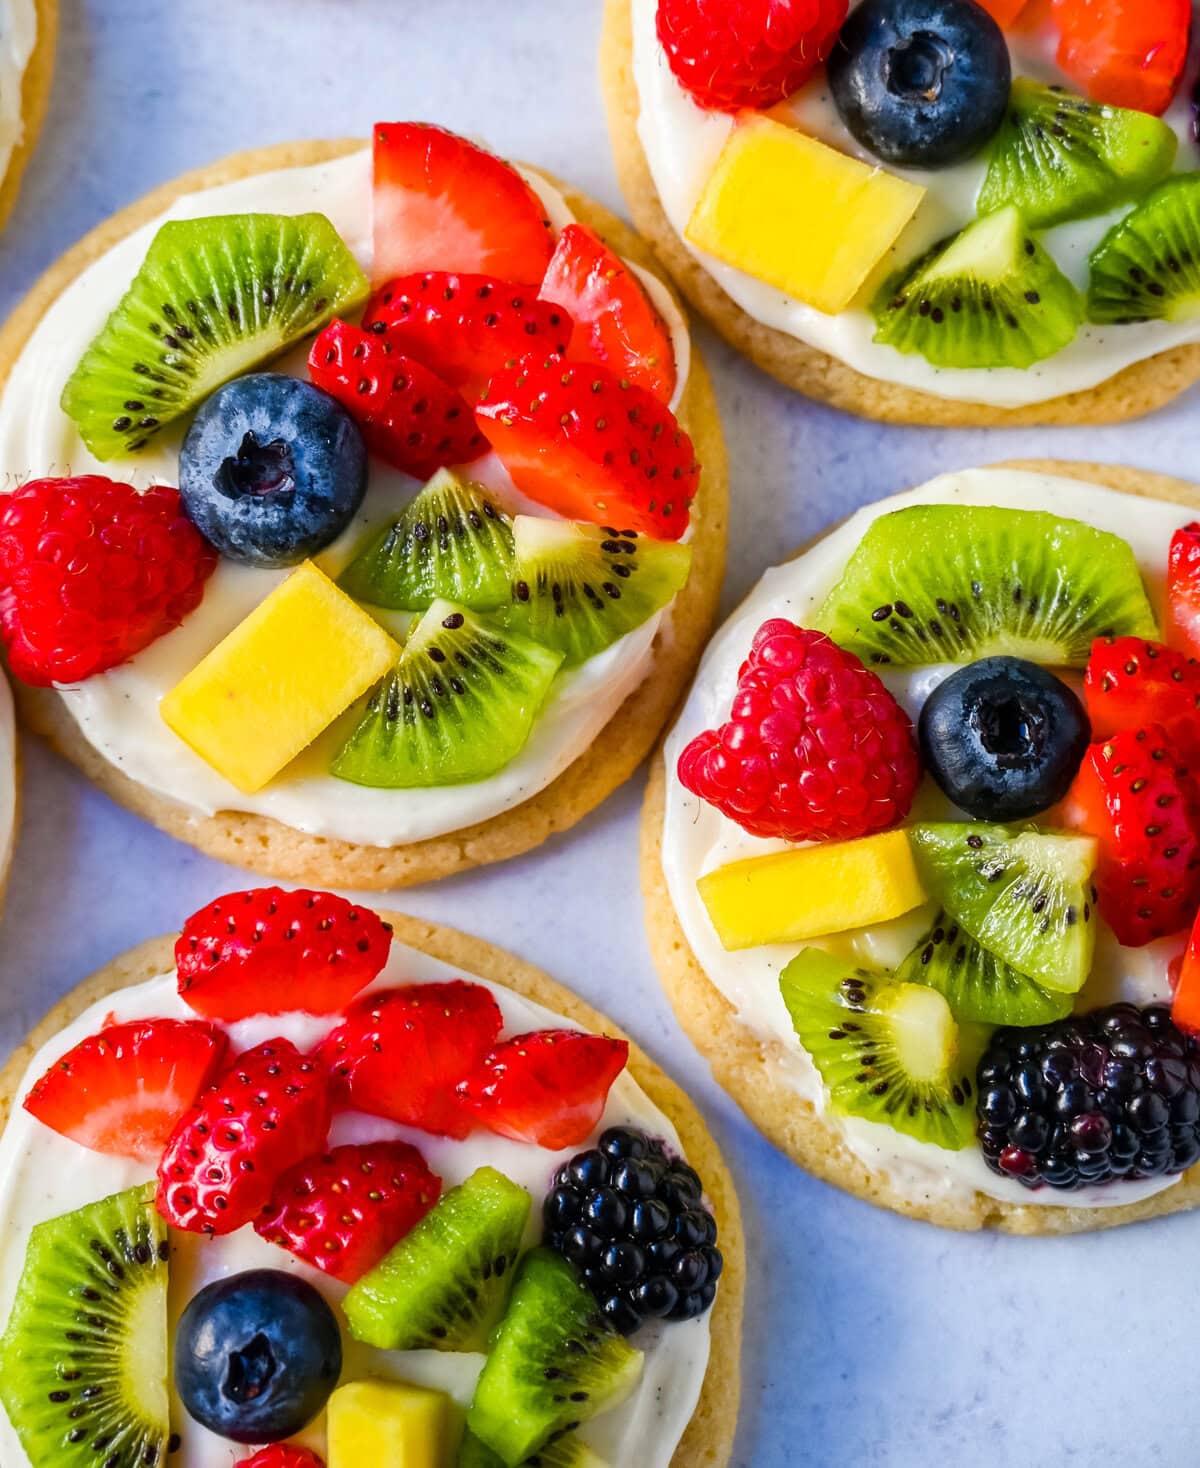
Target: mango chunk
<point x="798" y="214"/>
<point x="389" y="1424"/>
<point x="279" y="679"/>
<point x="792" y="896"/>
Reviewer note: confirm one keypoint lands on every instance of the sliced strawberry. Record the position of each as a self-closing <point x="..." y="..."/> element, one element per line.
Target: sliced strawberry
<point x="1131" y="682"/>
<point x="1185" y="1008"/>
<point x="465" y="327"/>
<point x="616" y="323"/>
<point x="549" y="1087"/>
<point x="1128" y="53"/>
<point x="442" y="203"/>
<point x="123" y="1090"/>
<point x="401" y="1054"/>
<point x="576" y="438"/>
<point x="1183" y="589"/>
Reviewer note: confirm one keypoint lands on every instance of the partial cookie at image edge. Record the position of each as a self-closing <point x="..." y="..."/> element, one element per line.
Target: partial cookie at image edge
<point x="36" y="82"/>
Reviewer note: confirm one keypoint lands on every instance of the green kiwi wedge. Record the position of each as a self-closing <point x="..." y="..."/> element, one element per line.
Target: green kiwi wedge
<point x="458" y="706"/>
<point x="214" y="298"/>
<point x="953" y="583"/>
<point x="990" y="296"/>
<point x="554" y="1364"/>
<point x="83" y="1362"/>
<point x="887" y="1051"/>
<point x="443" y="1287"/>
<point x="452" y="540"/>
<point x="1059" y="157"/>
<point x="564" y="1452"/>
<point x="1147" y="267"/>
<point x="1025" y="896"/>
<point x="579" y="588"/>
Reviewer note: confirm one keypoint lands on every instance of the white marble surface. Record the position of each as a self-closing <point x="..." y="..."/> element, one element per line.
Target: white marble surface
<point x="869" y="1340"/>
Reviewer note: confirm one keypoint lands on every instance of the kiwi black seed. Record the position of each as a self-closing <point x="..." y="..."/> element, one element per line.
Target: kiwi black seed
<point x="1147" y="267"/>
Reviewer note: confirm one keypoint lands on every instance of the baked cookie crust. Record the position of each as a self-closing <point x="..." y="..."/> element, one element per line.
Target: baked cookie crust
<point x="35" y="97"/>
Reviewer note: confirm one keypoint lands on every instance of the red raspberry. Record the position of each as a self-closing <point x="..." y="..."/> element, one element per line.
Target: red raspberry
<point x="816" y="748"/>
<point x="731" y="54"/>
<point x="281" y="1455"/>
<point x="92" y="572"/>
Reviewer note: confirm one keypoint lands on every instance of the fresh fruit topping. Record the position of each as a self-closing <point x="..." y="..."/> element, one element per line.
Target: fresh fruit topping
<point x="616" y="323"/>
<point x="84" y="1357"/>
<point x="1057" y="157"/>
<point x="344" y="1210"/>
<point x="282" y="1455"/>
<point x="1131" y="682"/>
<point x="548" y="1088"/>
<point x="815" y="749"/>
<point x="1003" y="738"/>
<point x="1185" y="1008"/>
<point x="633" y="1220"/>
<point x="261" y="1117"/>
<point x="1183" y="589"/>
<point x="1147" y="267"/>
<point x="1091" y="1099"/>
<point x="579" y="588"/>
<point x="582" y="441"/>
<point x="256" y="1356"/>
<point x="801" y="216"/>
<point x="730" y="54"/>
<point x="213" y="299"/>
<point x="569" y="1451"/>
<point x="791" y="896"/>
<point x="889" y="1052"/>
<point x="279" y="679"/>
<point x="400" y="1054"/>
<point x="554" y="1362"/>
<point x="1129" y="53"/>
<point x="442" y="1288"/>
<point x="952" y="583"/>
<point x="123" y="1090"/>
<point x="389" y="1423"/>
<point x="458" y="706"/>
<point x="1004" y="12"/>
<point x="920" y="85"/>
<point x="1140" y="804"/>
<point x="92" y="572"/>
<point x="442" y="203"/>
<point x="990" y="296"/>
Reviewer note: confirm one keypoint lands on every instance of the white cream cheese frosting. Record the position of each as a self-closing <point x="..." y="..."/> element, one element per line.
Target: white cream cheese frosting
<point x="18" y="35"/>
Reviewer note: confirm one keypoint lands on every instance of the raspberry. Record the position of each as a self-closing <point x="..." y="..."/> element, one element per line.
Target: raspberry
<point x="731" y="54"/>
<point x="816" y="748"/>
<point x="281" y="1455"/>
<point x="92" y="572"/>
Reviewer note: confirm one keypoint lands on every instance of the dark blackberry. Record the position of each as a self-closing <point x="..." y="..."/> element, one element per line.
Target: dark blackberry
<point x="1091" y="1099"/>
<point x="632" y="1219"/>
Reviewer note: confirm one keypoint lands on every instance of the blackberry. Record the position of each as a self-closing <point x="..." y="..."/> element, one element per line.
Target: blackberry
<point x="1091" y="1099"/>
<point x="633" y="1222"/>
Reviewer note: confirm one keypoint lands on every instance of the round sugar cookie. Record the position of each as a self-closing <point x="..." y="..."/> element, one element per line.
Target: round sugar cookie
<point x="10" y="773"/>
<point x="36" y="80"/>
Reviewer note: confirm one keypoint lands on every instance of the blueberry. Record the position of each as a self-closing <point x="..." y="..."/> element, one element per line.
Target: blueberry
<point x="256" y="1356"/>
<point x="921" y="83"/>
<point x="1003" y="738"/>
<point x="272" y="469"/>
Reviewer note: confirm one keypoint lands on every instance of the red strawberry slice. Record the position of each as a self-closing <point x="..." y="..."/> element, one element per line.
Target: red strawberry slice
<point x="341" y="1212"/>
<point x="1185" y="1008"/>
<point x="269" y="1110"/>
<point x="549" y="1087"/>
<point x="1131" y="683"/>
<point x="407" y="414"/>
<point x="442" y="203"/>
<point x="1183" y="589"/>
<point x="616" y="323"/>
<point x="578" y="439"/>
<point x="465" y="327"/>
<point x="1128" y="53"/>
<point x="281" y="1455"/>
<point x="400" y="1055"/>
<point x="124" y="1089"/>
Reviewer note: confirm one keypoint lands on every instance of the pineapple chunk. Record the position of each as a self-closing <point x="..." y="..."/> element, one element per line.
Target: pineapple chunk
<point x="799" y="215"/>
<point x="810" y="891"/>
<point x="389" y="1424"/>
<point x="279" y="679"/>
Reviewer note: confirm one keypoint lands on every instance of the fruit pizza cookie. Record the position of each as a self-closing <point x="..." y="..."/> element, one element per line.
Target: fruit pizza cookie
<point x="926" y="211"/>
<point x="923" y="856"/>
<point x="9" y="772"/>
<point x="28" y="32"/>
<point x="315" y="1187"/>
<point x="394" y="510"/>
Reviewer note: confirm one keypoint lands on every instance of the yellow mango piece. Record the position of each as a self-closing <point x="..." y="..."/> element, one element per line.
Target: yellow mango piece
<point x="792" y="896"/>
<point x="388" y="1424"/>
<point x="799" y="215"/>
<point x="279" y="679"/>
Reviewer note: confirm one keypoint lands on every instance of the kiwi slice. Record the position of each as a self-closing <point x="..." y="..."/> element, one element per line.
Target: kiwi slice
<point x="214" y="299"/>
<point x="83" y="1362"/>
<point x="555" y="1363"/>
<point x="887" y="1051"/>
<point x="452" y="541"/>
<point x="565" y="1452"/>
<point x="443" y="1286"/>
<point x="1026" y="896"/>
<point x="579" y="587"/>
<point x="990" y="296"/>
<point x="458" y="706"/>
<point x="1059" y="157"/>
<point x="952" y="583"/>
<point x="1147" y="267"/>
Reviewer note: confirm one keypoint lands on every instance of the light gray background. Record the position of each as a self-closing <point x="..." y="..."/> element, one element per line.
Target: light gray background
<point x="869" y="1340"/>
